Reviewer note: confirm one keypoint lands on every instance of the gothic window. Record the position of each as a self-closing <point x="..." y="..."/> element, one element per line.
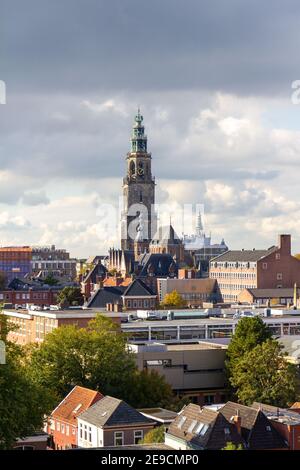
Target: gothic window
<point x="132" y="168"/>
<point x="141" y="196"/>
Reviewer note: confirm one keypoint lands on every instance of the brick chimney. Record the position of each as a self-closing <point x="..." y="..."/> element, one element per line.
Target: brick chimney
<point x="237" y="421"/>
<point x="285" y="244"/>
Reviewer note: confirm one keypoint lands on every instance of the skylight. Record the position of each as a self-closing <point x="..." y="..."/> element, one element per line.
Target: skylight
<point x="181" y="422"/>
<point x="192" y="425"/>
<point x="77" y="408"/>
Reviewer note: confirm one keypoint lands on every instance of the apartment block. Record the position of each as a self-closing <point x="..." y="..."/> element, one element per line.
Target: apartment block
<point x="272" y="268"/>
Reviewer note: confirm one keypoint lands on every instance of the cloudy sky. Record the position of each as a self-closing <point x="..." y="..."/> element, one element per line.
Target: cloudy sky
<point x="214" y="82"/>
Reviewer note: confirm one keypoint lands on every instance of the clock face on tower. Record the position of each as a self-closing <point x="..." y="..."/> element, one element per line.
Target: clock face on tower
<point x="141" y="171"/>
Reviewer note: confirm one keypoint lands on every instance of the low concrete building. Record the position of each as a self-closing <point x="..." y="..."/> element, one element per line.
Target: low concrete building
<point x="193" y="370"/>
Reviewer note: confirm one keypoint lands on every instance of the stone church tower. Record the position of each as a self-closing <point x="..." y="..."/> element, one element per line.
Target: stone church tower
<point x="138" y="192"/>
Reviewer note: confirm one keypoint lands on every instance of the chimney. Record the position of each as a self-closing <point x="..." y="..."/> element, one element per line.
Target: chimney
<point x="285" y="244"/>
<point x="237" y="420"/>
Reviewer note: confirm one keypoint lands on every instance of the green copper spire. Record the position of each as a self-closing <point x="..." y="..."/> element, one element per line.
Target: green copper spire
<point x="138" y="138"/>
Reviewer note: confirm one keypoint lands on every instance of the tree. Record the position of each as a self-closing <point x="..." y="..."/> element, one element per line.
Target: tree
<point x="70" y="296"/>
<point x="23" y="402"/>
<point x="149" y="389"/>
<point x="50" y="280"/>
<point x="173" y="299"/>
<point x="264" y="375"/>
<point x="232" y="446"/>
<point x="248" y="334"/>
<point x="96" y="357"/>
<point x="156" y="435"/>
<point x="3" y="280"/>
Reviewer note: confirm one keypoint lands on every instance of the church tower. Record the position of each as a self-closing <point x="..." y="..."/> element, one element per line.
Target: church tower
<point x="138" y="190"/>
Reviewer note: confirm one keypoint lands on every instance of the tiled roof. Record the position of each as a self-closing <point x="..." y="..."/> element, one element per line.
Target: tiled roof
<point x="111" y="411"/>
<point x="212" y="429"/>
<point x="279" y="292"/>
<point x="158" y="263"/>
<point x="97" y="270"/>
<point x="243" y="255"/>
<point x="105" y="295"/>
<point x="76" y="402"/>
<point x="166" y="235"/>
<point x="138" y="288"/>
<point x="204" y="428"/>
<point x="257" y="430"/>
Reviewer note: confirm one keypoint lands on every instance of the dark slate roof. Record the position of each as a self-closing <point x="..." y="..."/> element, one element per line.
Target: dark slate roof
<point x="243" y="255"/>
<point x="97" y="270"/>
<point x="159" y="263"/>
<point x="166" y="235"/>
<point x="105" y="295"/>
<point x="111" y="411"/>
<point x="257" y="432"/>
<point x="213" y="424"/>
<point x="275" y="293"/>
<point x="139" y="289"/>
<point x="255" y="427"/>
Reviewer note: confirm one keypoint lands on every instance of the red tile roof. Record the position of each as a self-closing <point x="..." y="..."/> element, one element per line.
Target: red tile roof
<point x="75" y="403"/>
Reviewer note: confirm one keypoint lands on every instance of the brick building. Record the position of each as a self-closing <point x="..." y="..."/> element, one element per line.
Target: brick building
<point x="62" y="423"/>
<point x="15" y="262"/>
<point x="34" y="325"/>
<point x="193" y="291"/>
<point x="252" y="269"/>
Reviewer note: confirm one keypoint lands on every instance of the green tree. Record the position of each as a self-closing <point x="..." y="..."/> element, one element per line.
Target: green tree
<point x="3" y="280"/>
<point x="156" y="435"/>
<point x="264" y="375"/>
<point x="149" y="389"/>
<point x="232" y="446"/>
<point x="23" y="402"/>
<point x="248" y="334"/>
<point x="50" y="280"/>
<point x="173" y="299"/>
<point x="96" y="357"/>
<point x="70" y="296"/>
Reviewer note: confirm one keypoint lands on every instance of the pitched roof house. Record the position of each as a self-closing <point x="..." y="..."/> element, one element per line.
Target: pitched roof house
<point x="112" y="422"/>
<point x="62" y="423"/>
<point x="139" y="295"/>
<point x="205" y="428"/>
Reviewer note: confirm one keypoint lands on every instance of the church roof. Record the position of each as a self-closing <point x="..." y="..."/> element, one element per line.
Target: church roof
<point x="106" y="295"/>
<point x="138" y="288"/>
<point x="166" y="235"/>
<point x="158" y="263"/>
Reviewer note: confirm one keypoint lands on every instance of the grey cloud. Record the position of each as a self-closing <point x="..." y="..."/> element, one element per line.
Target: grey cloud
<point x="62" y="45"/>
<point x="35" y="198"/>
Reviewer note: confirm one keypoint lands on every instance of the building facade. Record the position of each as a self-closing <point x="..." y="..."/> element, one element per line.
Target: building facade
<point x="51" y="260"/>
<point x="62" y="423"/>
<point x="15" y="262"/>
<point x="196" y="371"/>
<point x="112" y="422"/>
<point x="193" y="291"/>
<point x="252" y="269"/>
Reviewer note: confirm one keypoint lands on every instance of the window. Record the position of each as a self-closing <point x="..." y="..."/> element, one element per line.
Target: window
<point x="277" y="256"/>
<point x="279" y="276"/>
<point x="138" y="435"/>
<point x="265" y="265"/>
<point x="119" y="438"/>
<point x="63" y="429"/>
<point x="209" y="399"/>
<point x="57" y="426"/>
<point x="90" y="434"/>
<point x="80" y="431"/>
<point x="67" y="430"/>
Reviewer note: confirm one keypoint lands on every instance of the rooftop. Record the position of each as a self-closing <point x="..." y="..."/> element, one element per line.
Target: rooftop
<point x="243" y="255"/>
<point x="76" y="402"/>
<point x="111" y="411"/>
